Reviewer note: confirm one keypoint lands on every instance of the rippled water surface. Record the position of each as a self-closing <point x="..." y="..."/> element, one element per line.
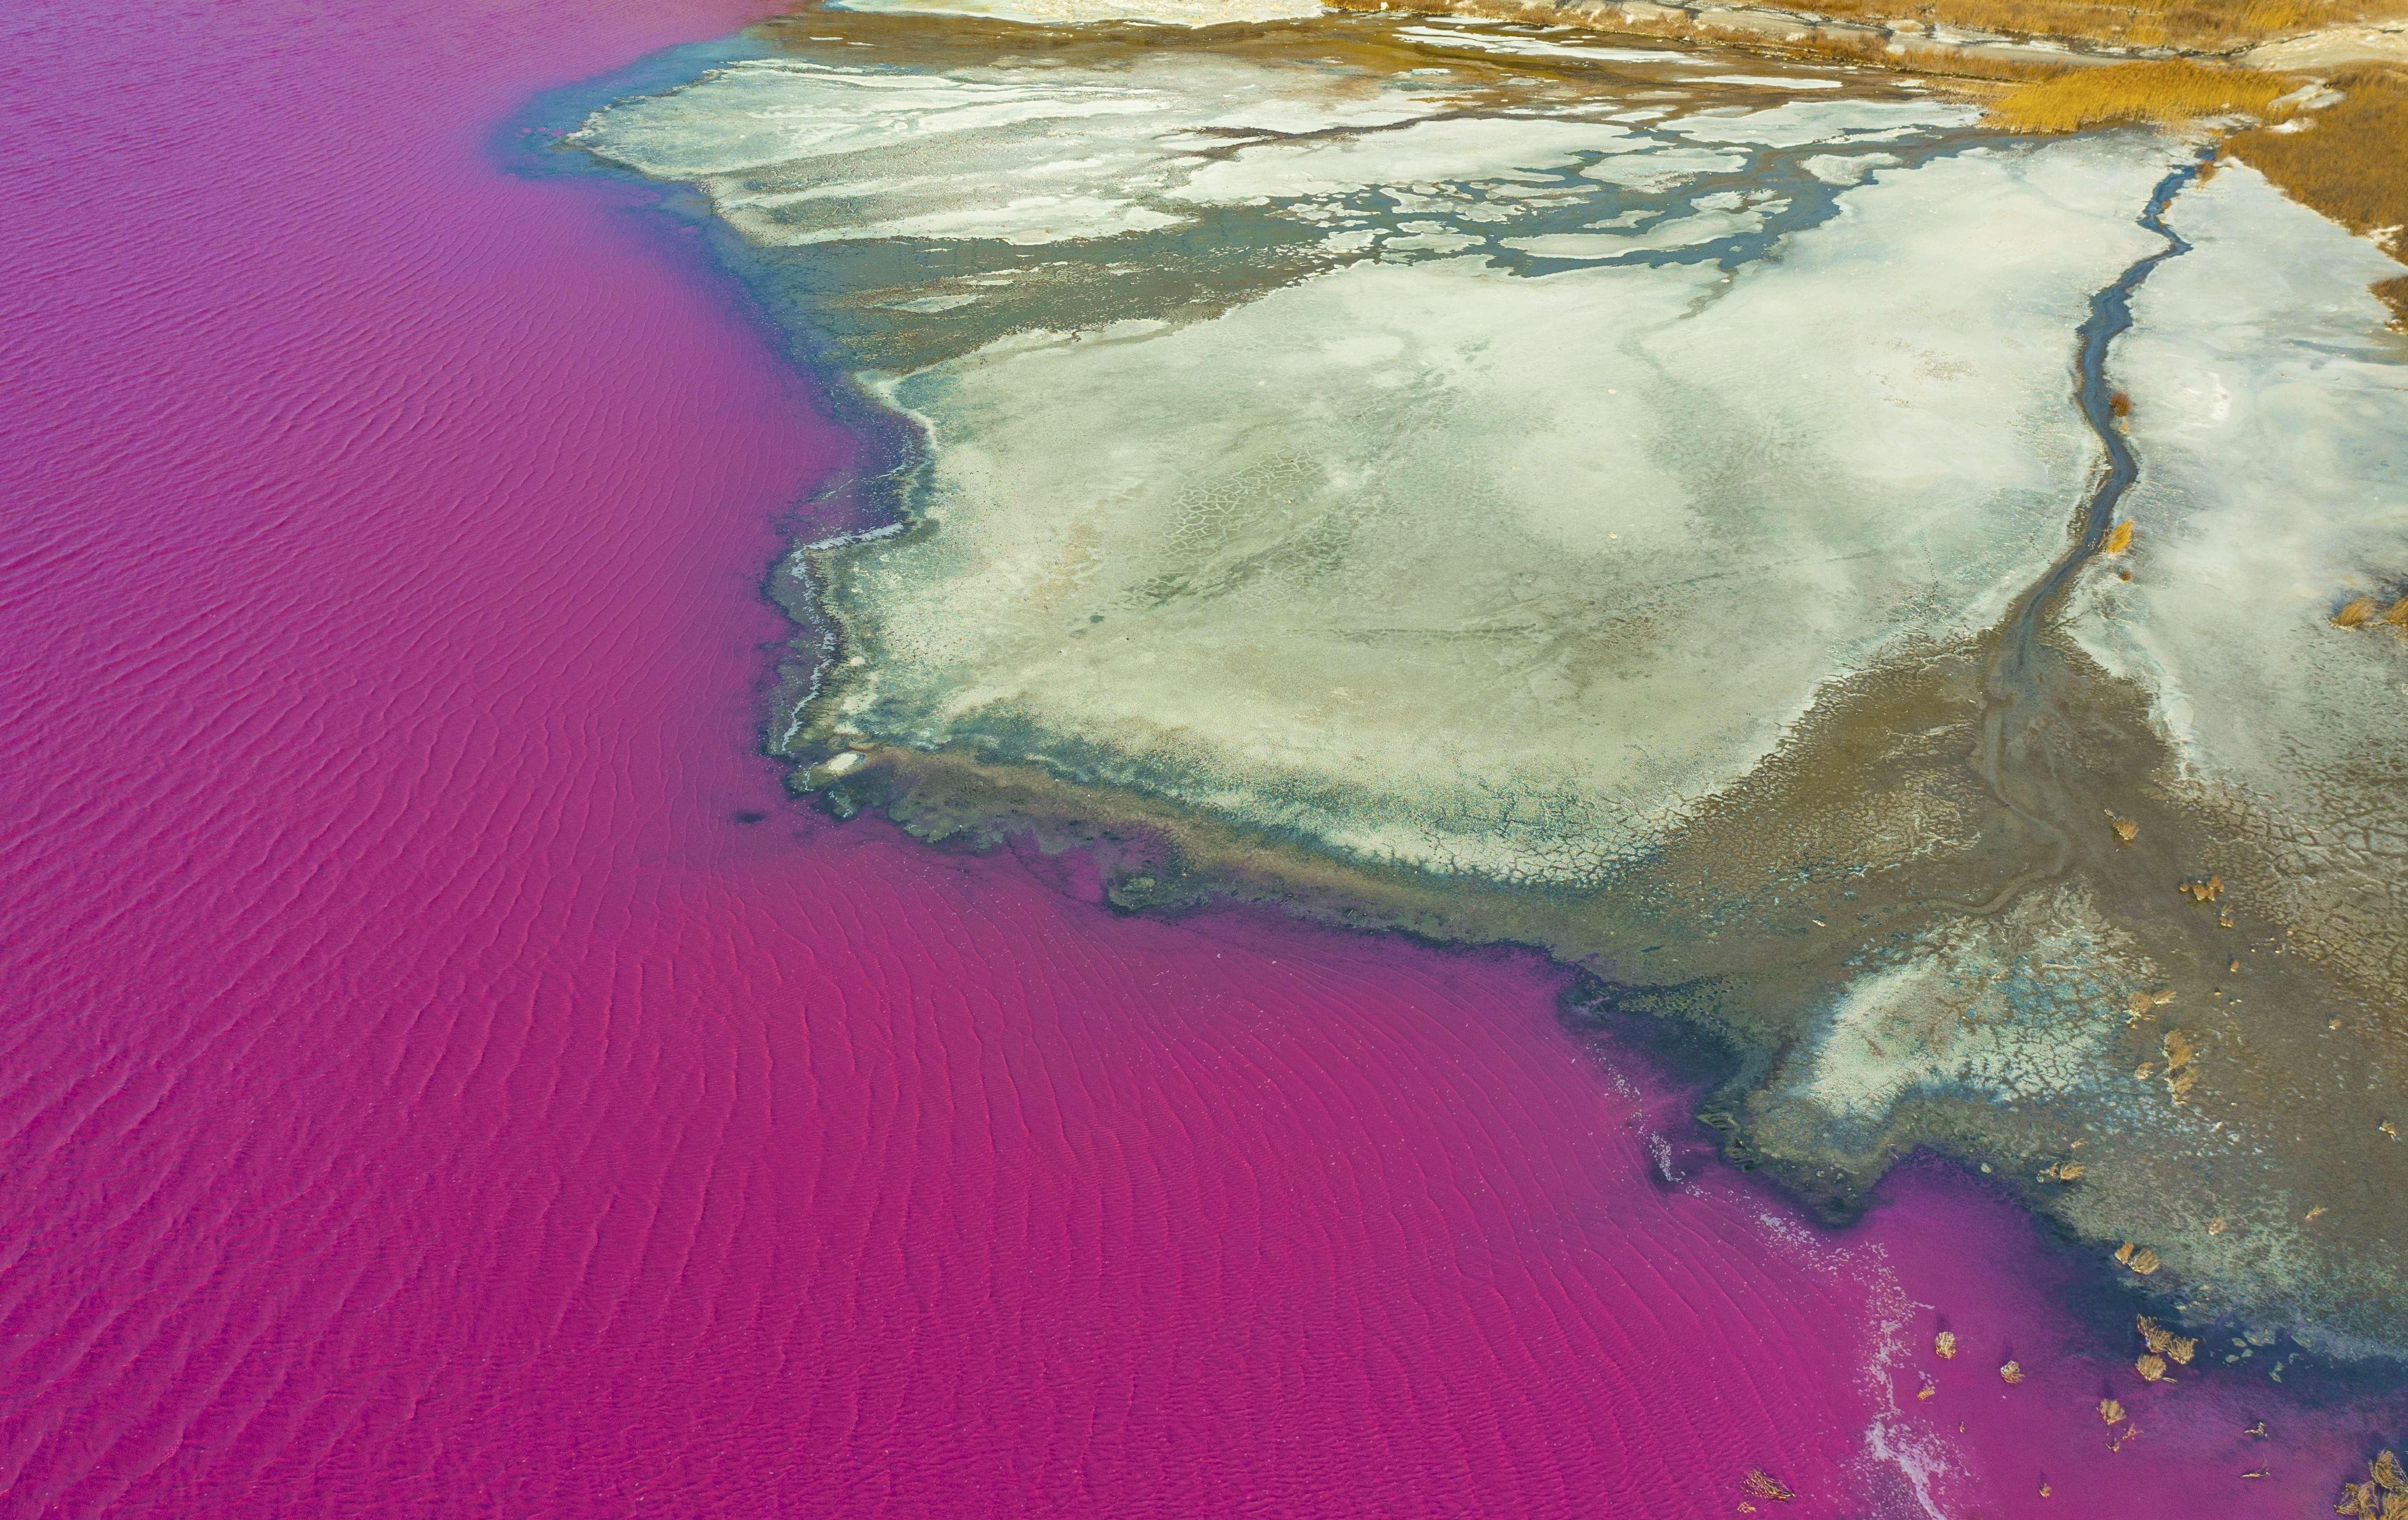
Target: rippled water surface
<point x="440" y="1076"/>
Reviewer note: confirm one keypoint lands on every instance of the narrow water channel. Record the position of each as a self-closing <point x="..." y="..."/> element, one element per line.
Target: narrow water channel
<point x="2017" y="769"/>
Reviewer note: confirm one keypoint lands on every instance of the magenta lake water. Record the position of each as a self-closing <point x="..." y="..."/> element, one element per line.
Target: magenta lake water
<point x="422" y="1095"/>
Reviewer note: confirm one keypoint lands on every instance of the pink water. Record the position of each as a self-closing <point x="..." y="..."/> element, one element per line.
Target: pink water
<point x="420" y="1096"/>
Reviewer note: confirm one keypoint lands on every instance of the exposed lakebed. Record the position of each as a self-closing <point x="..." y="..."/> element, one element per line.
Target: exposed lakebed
<point x="1637" y="502"/>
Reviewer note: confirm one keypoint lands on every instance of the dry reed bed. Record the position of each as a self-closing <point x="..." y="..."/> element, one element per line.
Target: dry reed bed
<point x="2166" y="93"/>
<point x="2198" y="24"/>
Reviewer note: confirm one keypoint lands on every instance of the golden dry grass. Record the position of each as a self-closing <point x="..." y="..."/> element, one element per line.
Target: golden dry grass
<point x="2143" y="23"/>
<point x="2168" y="92"/>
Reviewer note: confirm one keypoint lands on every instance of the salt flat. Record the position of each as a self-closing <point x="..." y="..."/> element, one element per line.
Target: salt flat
<point x="1456" y="562"/>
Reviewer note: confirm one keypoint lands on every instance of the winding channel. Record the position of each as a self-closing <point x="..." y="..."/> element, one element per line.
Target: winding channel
<point x="2011" y="694"/>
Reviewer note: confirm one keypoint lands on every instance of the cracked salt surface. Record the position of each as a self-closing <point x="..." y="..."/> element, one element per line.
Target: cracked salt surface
<point x="1437" y="562"/>
<point x="1449" y="562"/>
<point x="2021" y="1007"/>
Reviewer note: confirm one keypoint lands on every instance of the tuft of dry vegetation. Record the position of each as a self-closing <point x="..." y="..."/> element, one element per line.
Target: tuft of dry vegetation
<point x="2394" y="294"/>
<point x="2166" y="91"/>
<point x="1763" y="1484"/>
<point x="2164" y="1343"/>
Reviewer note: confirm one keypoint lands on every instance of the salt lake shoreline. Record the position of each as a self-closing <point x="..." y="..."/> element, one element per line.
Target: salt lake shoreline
<point x="1160" y="858"/>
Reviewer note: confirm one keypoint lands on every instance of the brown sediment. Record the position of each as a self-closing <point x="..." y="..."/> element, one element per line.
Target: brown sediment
<point x="1900" y="789"/>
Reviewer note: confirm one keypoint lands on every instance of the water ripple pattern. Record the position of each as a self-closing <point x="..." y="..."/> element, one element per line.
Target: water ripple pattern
<point x="437" y="1080"/>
